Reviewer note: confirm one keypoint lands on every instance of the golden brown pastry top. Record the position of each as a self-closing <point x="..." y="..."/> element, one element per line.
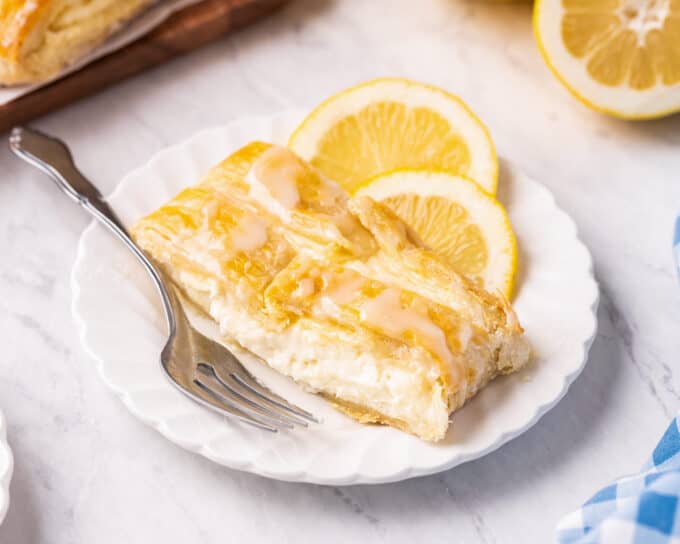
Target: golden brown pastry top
<point x="332" y="290"/>
<point x="299" y="241"/>
<point x="17" y="18"/>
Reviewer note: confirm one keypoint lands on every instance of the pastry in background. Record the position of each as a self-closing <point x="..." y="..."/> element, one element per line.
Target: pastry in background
<point x="39" y="38"/>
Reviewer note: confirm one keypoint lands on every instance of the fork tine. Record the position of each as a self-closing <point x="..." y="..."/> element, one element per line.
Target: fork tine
<point x="217" y="404"/>
<point x="246" y="380"/>
<point x="228" y="381"/>
<point x="228" y="395"/>
<point x="231" y="387"/>
<point x="248" y="415"/>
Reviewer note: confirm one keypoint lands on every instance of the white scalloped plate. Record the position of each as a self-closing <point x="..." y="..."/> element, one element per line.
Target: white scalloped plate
<point x="121" y="326"/>
<point x="6" y="466"/>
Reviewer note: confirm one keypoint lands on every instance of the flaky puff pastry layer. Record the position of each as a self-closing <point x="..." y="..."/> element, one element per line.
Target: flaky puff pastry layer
<point x="38" y="38"/>
<point x="335" y="292"/>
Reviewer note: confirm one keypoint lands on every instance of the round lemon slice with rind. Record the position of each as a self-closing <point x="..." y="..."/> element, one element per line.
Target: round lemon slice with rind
<point x="620" y="57"/>
<point x="390" y="123"/>
<point x="455" y="218"/>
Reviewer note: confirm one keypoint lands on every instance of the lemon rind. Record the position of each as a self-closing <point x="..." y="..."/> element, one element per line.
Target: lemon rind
<point x="619" y="114"/>
<point x="490" y="184"/>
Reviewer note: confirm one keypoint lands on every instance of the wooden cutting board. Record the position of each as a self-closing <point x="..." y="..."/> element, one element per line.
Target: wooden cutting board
<point x="184" y="31"/>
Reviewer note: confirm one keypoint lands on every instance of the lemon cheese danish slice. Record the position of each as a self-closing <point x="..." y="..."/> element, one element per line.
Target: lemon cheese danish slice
<point x="335" y="292"/>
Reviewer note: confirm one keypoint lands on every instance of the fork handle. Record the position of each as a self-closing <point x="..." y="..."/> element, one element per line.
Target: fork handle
<point x="53" y="157"/>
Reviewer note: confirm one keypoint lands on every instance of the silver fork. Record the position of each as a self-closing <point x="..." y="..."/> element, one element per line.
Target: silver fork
<point x="199" y="367"/>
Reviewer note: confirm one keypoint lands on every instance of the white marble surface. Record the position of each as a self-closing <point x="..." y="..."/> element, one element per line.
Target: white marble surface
<point x="88" y="471"/>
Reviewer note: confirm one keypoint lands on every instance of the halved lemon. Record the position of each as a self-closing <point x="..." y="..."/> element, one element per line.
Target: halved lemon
<point x="455" y="218"/>
<point x="389" y="123"/>
<point x="620" y="57"/>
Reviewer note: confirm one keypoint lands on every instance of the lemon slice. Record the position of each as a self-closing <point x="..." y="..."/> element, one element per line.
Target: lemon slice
<point x="621" y="57"/>
<point x="387" y="124"/>
<point x="456" y="219"/>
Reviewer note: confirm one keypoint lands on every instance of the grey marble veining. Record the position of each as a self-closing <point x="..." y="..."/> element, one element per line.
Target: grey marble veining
<point x="88" y="471"/>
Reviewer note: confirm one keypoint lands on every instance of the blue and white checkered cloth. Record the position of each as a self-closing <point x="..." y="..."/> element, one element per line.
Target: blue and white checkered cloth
<point x="639" y="509"/>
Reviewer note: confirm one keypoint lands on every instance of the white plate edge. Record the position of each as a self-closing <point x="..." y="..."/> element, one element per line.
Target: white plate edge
<point x="6" y="477"/>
